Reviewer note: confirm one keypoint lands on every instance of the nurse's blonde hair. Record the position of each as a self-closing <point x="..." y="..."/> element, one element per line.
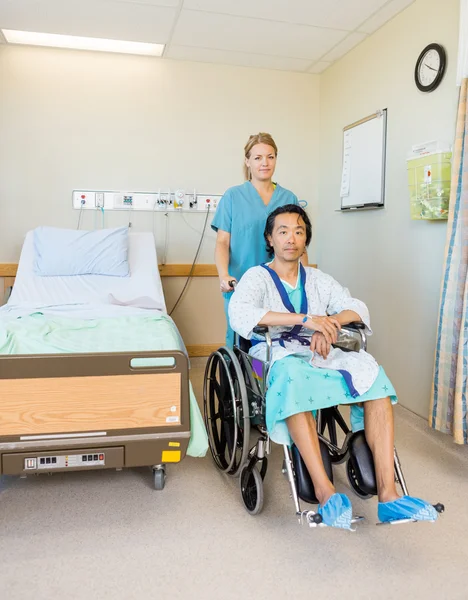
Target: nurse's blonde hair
<point x="258" y="138"/>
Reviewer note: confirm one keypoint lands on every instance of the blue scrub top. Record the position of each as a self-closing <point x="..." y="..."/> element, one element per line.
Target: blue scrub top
<point x="243" y="214"/>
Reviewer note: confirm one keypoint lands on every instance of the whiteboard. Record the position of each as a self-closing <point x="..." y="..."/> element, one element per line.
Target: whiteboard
<point x="363" y="172"/>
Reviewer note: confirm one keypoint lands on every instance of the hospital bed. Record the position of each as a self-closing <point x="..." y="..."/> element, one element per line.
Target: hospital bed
<point x="93" y="372"/>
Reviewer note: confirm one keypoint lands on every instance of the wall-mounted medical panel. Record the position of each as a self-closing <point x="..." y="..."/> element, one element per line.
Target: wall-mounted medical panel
<point x="179" y="200"/>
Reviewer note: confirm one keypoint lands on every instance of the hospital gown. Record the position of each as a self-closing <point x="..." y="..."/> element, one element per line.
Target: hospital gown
<point x="299" y="380"/>
<point x="243" y="214"/>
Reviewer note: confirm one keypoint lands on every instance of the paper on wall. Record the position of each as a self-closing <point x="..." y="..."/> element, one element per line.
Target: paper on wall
<point x="345" y="174"/>
<point x="347" y="139"/>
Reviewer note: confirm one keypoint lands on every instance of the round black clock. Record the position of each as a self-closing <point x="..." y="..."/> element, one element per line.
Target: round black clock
<point x="430" y="68"/>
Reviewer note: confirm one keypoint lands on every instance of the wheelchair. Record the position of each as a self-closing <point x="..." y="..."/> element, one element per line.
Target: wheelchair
<point x="234" y="391"/>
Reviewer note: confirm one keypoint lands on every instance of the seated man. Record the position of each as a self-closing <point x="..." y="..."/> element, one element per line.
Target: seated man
<point x="308" y="374"/>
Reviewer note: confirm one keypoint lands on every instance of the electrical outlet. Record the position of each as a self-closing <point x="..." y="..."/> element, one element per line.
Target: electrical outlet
<point x="100" y="199"/>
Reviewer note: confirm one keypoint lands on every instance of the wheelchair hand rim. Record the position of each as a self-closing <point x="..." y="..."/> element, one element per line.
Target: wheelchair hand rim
<point x="238" y="409"/>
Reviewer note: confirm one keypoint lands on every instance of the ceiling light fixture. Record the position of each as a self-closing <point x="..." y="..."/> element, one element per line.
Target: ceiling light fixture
<point x="75" y="42"/>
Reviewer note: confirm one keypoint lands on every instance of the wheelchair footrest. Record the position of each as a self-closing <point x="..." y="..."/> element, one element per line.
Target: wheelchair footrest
<point x="440" y="508"/>
<point x="313" y="519"/>
<point x="403" y="521"/>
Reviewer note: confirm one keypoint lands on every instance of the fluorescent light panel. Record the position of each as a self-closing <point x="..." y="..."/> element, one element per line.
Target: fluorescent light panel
<point x="81" y="43"/>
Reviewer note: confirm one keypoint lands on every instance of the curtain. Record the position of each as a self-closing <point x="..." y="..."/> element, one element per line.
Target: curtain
<point x="448" y="411"/>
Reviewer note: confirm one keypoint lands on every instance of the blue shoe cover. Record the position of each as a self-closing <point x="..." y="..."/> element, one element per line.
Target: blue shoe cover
<point x="406" y="508"/>
<point x="336" y="512"/>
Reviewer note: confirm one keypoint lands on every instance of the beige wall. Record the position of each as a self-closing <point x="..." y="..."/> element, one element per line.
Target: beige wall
<point x="391" y="262"/>
<point x="99" y="121"/>
<point x="89" y="120"/>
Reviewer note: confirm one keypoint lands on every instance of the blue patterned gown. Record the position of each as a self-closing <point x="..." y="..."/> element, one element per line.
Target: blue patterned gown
<point x="295" y="386"/>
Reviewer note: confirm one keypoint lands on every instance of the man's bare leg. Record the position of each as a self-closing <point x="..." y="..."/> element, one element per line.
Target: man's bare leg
<point x="304" y="434"/>
<point x="378" y="419"/>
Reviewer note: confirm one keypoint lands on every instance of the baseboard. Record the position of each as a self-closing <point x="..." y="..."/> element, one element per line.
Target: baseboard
<point x="203" y="349"/>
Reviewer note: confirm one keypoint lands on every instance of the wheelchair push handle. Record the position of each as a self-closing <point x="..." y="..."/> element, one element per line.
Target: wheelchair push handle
<point x="232" y="283"/>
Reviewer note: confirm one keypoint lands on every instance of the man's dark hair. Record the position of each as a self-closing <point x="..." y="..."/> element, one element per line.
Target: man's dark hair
<point x="288" y="208"/>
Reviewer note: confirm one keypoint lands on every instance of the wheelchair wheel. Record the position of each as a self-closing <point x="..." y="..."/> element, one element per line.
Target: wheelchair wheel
<point x="226" y="411"/>
<point x="251" y="484"/>
<point x="354" y="483"/>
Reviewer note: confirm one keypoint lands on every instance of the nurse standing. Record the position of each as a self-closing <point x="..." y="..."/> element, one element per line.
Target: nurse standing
<point x="241" y="215"/>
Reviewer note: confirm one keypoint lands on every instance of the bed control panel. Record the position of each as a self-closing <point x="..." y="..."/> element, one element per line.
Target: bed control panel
<point x="63" y="460"/>
<point x="69" y="460"/>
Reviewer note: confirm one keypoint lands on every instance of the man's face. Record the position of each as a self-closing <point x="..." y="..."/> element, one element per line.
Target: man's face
<point x="288" y="237"/>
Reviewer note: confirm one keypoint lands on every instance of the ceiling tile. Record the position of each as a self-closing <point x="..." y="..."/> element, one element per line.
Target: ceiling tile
<point x="388" y="12"/>
<point x="223" y="32"/>
<point x="242" y="59"/>
<point x="92" y="18"/>
<point x="345" y="46"/>
<point x="335" y="14"/>
<point x="319" y="67"/>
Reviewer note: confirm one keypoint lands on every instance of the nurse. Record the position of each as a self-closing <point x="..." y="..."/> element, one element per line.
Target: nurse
<point x="241" y="214"/>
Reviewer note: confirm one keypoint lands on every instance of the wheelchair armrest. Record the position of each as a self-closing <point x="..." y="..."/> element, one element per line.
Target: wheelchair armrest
<point x="264" y="330"/>
<point x="355" y="325"/>
<point x="355" y="328"/>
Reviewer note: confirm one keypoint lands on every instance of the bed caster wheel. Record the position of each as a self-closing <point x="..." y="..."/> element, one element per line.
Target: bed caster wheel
<point x="440" y="508"/>
<point x="159" y="476"/>
<point x="251" y="484"/>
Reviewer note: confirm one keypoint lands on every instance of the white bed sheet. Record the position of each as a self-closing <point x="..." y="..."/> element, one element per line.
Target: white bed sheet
<point x="144" y="282"/>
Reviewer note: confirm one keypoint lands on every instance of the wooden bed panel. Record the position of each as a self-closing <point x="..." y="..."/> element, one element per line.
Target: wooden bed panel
<point x="71" y="404"/>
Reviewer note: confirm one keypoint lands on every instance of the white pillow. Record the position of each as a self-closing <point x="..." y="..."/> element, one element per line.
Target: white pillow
<point x="68" y="252"/>
<point x="32" y="290"/>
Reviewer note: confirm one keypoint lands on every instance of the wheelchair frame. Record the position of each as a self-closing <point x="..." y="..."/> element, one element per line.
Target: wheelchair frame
<point x="235" y="386"/>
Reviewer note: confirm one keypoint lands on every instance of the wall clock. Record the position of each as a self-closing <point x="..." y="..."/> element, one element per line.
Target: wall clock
<point x="430" y="68"/>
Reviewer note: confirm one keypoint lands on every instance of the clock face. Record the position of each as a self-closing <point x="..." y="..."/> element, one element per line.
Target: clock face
<point x="430" y="68"/>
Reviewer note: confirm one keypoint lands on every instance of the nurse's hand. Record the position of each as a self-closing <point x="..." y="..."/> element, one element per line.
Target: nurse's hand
<point x="319" y="344"/>
<point x="224" y="283"/>
<point x="329" y="326"/>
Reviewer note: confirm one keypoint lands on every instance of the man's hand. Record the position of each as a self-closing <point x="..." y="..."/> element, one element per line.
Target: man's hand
<point x="329" y="326"/>
<point x="224" y="283"/>
<point x="319" y="344"/>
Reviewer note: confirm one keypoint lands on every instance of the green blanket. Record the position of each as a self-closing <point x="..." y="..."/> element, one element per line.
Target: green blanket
<point x="40" y="334"/>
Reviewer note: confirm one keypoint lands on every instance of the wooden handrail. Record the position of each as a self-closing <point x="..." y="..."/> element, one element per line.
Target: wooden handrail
<point x="172" y="270"/>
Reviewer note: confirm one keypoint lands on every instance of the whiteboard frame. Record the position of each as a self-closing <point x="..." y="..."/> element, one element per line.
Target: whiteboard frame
<point x="371" y="205"/>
